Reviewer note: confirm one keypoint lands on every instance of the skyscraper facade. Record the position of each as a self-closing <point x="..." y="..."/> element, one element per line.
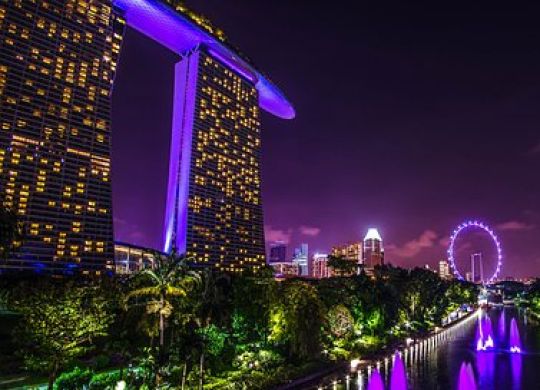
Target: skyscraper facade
<point x="444" y="270"/>
<point x="57" y="65"/>
<point x="320" y="266"/>
<point x="214" y="209"/>
<point x="278" y="252"/>
<point x="351" y="252"/>
<point x="373" y="249"/>
<point x="300" y="259"/>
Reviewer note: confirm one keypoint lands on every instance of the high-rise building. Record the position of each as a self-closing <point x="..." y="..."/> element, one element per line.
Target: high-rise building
<point x="351" y="251"/>
<point x="57" y="65"/>
<point x="300" y="259"/>
<point x="320" y="266"/>
<point x="278" y="252"/>
<point x="444" y="270"/>
<point x="285" y="269"/>
<point x="373" y="251"/>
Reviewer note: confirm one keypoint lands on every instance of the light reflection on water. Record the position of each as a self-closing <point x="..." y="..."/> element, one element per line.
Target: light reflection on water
<point x="436" y="364"/>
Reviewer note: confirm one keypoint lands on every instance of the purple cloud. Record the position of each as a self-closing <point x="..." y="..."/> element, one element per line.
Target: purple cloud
<point x="309" y="231"/>
<point x="272" y="234"/>
<point x="428" y="239"/>
<point x="514" y="226"/>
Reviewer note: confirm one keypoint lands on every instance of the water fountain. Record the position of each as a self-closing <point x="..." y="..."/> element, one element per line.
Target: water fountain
<point x="515" y="340"/>
<point x="398" y="379"/>
<point x="466" y="377"/>
<point x="484" y="334"/>
<point x="375" y="381"/>
<point x="502" y="326"/>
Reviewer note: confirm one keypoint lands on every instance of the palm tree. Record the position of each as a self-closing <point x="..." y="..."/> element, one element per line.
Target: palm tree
<point x="212" y="304"/>
<point x="168" y="278"/>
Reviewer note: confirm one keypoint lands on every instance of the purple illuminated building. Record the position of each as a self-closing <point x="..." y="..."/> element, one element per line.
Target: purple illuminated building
<point x="55" y="165"/>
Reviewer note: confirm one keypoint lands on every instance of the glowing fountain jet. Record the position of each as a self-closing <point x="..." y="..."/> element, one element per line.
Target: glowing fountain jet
<point x="466" y="377"/>
<point x="398" y="380"/>
<point x="375" y="381"/>
<point x="502" y="326"/>
<point x="484" y="334"/>
<point x="515" y="341"/>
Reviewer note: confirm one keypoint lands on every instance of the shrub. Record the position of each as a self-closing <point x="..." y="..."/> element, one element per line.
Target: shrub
<point x="101" y="362"/>
<point x="104" y="381"/>
<point x="73" y="380"/>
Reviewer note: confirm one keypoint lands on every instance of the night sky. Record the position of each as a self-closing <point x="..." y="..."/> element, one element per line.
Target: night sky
<point x="409" y="119"/>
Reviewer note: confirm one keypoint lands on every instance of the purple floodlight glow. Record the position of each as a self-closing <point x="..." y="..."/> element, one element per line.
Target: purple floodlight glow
<point x="515" y="339"/>
<point x="180" y="154"/>
<point x="398" y="380"/>
<point x="502" y="326"/>
<point x="494" y="238"/>
<point x="515" y="362"/>
<point x="375" y="381"/>
<point x="171" y="29"/>
<point x="466" y="377"/>
<point x="237" y="66"/>
<point x="484" y="334"/>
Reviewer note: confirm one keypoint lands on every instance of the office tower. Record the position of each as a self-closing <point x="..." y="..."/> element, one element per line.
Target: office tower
<point x="57" y="65"/>
<point x="285" y="269"/>
<point x="300" y="259"/>
<point x="278" y="252"/>
<point x="352" y="252"/>
<point x="373" y="249"/>
<point x="444" y="270"/>
<point x="320" y="266"/>
<point x="214" y="207"/>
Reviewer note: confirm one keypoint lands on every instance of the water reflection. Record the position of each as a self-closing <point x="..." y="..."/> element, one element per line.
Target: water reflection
<point x="450" y="360"/>
<point x="516" y="371"/>
<point x="466" y="377"/>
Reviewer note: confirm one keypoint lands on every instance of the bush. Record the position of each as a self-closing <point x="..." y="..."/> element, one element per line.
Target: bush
<point x="73" y="380"/>
<point x="101" y="362"/>
<point x="105" y="380"/>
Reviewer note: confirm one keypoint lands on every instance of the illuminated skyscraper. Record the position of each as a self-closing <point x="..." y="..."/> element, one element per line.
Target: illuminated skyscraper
<point x="214" y="208"/>
<point x="320" y="266"/>
<point x="373" y="249"/>
<point x="351" y="252"/>
<point x="300" y="258"/>
<point x="57" y="64"/>
<point x="278" y="252"/>
<point x="444" y="269"/>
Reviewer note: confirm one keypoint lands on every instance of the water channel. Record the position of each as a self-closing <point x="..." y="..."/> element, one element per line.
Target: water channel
<point x="492" y="349"/>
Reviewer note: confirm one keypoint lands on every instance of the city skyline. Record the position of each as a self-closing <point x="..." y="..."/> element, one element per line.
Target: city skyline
<point x="459" y="88"/>
<point x="56" y="81"/>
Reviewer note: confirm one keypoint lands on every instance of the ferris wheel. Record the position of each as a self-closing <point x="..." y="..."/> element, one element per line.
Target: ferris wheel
<point x="470" y="225"/>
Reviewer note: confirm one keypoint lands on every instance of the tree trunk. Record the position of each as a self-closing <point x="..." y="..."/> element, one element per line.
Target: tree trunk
<point x="201" y="371"/>
<point x="161" y="325"/>
<point x="52" y="376"/>
<point x="184" y="374"/>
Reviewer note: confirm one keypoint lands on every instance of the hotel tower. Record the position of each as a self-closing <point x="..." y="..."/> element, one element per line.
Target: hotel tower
<point x="57" y="64"/>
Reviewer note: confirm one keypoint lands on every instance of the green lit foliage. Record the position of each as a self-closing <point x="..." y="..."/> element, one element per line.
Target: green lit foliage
<point x="296" y="321"/>
<point x="341" y="266"/>
<point x="214" y="339"/>
<point x="73" y="380"/>
<point x="11" y="232"/>
<point x="156" y="288"/>
<point x="60" y="322"/>
<point x="459" y="293"/>
<point x="340" y="322"/>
